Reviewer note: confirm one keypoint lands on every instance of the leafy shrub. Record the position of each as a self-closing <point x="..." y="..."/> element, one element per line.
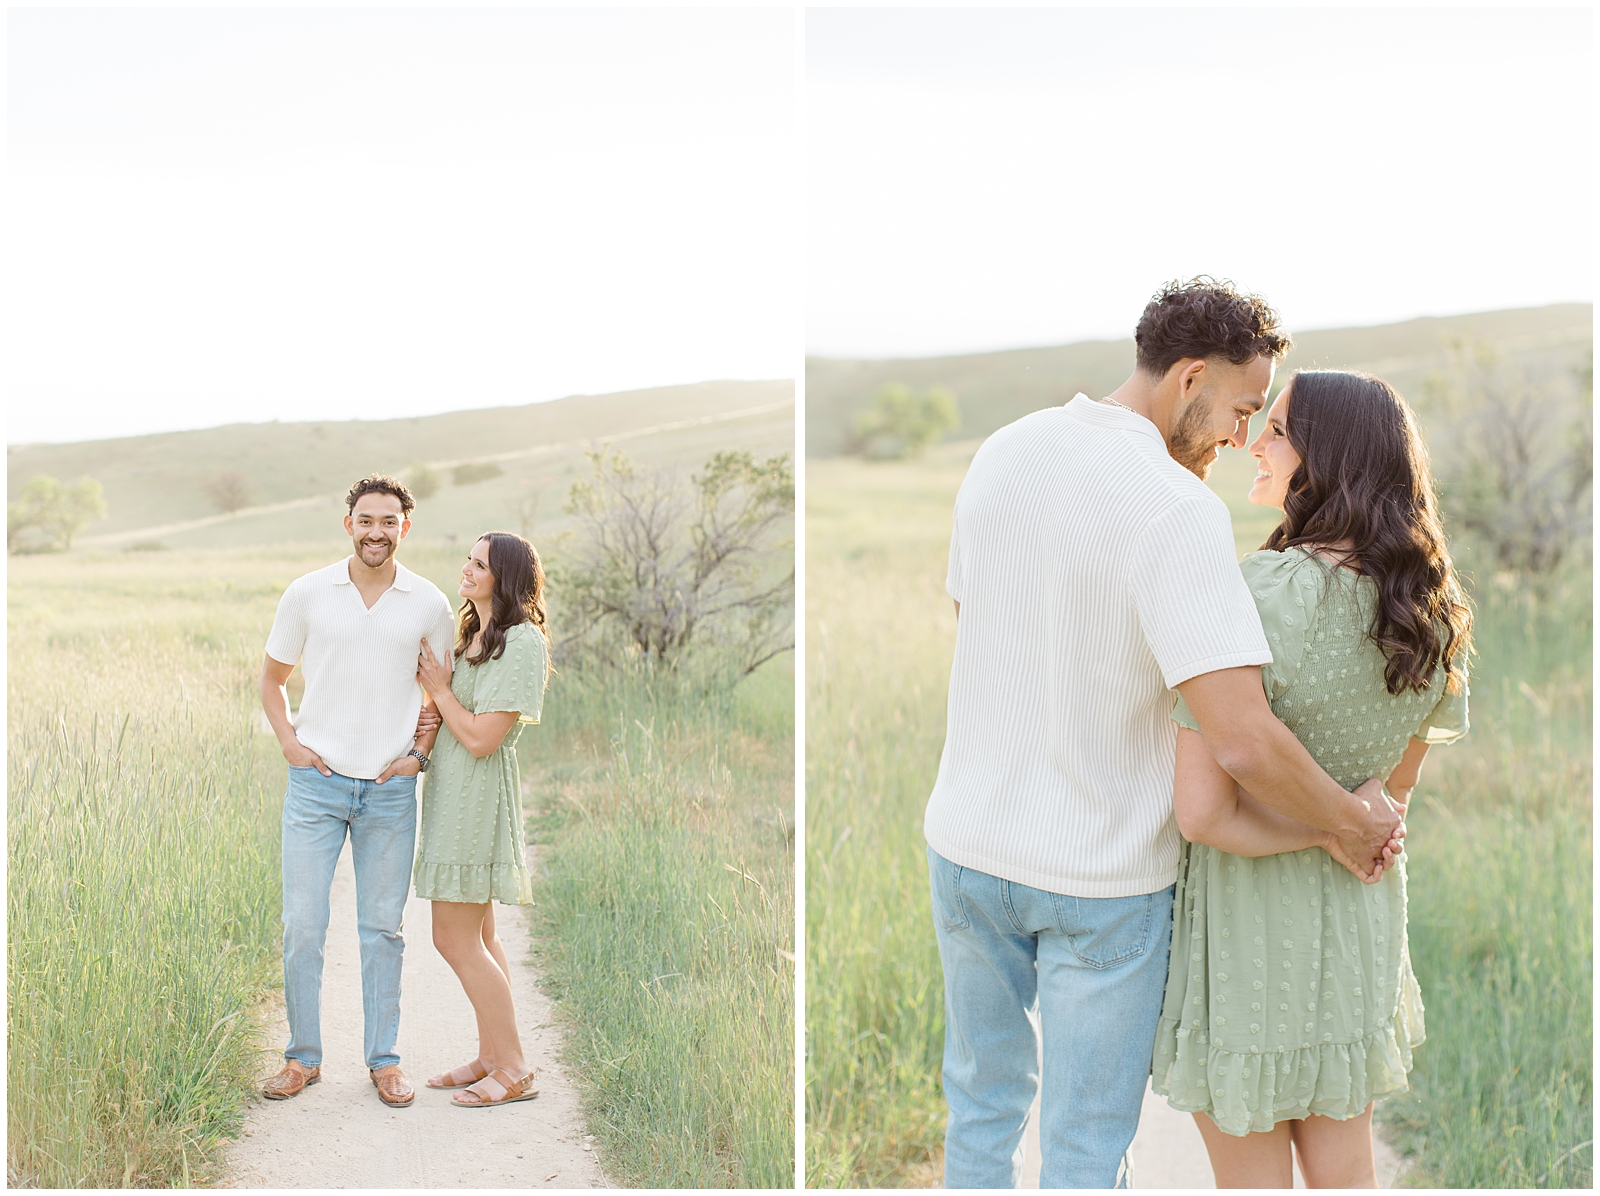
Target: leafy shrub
<point x="902" y="422"/>
<point x="1514" y="458"/>
<point x="469" y="472"/>
<point x="423" y="481"/>
<point x="658" y="561"/>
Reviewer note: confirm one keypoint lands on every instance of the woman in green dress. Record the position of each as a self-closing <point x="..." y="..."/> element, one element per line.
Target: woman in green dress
<point x="469" y="849"/>
<point x="1291" y="1005"/>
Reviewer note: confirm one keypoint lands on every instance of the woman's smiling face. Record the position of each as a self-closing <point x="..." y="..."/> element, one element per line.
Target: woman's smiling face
<point x="476" y="580"/>
<point x="1275" y="457"/>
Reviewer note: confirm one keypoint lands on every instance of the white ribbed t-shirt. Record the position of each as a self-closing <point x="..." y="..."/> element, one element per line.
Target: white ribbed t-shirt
<point x="1094" y="574"/>
<point x="359" y="710"/>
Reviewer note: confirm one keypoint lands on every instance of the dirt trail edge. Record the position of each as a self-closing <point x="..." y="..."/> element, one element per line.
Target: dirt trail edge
<point x="337" y="1134"/>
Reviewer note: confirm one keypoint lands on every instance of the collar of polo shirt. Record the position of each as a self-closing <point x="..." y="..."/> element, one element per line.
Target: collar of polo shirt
<point x="402" y="577"/>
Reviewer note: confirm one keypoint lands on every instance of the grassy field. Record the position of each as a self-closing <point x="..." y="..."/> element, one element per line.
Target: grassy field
<point x="1499" y="838"/>
<point x="667" y="907"/>
<point x="144" y="879"/>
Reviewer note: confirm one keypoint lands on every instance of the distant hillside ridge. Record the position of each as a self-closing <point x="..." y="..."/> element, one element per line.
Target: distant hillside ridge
<point x="158" y="481"/>
<point x="994" y="389"/>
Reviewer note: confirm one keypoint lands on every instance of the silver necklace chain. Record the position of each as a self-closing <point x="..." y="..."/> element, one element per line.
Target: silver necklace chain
<point x="1114" y="403"/>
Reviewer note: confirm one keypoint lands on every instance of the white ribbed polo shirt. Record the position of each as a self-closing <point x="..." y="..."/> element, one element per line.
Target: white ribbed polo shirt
<point x="1094" y="574"/>
<point x="359" y="710"/>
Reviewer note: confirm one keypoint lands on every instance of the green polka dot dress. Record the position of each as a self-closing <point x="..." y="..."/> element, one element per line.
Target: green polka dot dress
<point x="1290" y="989"/>
<point x="469" y="846"/>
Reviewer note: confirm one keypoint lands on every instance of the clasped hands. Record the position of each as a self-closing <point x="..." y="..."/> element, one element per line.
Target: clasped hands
<point x="1374" y="849"/>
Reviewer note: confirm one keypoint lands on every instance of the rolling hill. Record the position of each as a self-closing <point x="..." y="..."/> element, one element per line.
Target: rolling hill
<point x="996" y="388"/>
<point x="155" y="485"/>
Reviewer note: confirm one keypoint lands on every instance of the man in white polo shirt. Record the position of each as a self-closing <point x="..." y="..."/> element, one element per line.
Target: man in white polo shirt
<point x="1093" y="573"/>
<point x="356" y="628"/>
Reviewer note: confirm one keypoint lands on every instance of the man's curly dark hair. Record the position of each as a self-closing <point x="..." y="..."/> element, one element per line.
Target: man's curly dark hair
<point x="1206" y="318"/>
<point x="381" y="483"/>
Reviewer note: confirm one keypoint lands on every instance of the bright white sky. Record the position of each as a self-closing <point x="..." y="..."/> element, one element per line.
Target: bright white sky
<point x="238" y="215"/>
<point x="1003" y="178"/>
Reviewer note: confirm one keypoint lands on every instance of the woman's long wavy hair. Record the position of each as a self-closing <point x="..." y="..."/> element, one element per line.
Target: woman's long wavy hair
<point x="518" y="597"/>
<point x="1364" y="480"/>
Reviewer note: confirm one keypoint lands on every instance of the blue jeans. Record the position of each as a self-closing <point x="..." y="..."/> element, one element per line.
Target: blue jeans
<point x="1085" y="974"/>
<point x="382" y="823"/>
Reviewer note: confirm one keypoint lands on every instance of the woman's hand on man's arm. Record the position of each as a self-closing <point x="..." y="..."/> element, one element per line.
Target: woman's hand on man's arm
<point x="428" y="723"/>
<point x="480" y="734"/>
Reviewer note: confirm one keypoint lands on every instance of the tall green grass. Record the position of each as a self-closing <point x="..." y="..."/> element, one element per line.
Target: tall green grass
<point x="144" y="896"/>
<point x="880" y="629"/>
<point x="143" y="879"/>
<point x="1500" y="863"/>
<point x="1501" y="884"/>
<point x="666" y="909"/>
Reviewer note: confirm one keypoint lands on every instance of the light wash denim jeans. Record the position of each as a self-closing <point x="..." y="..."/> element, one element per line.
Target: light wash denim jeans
<point x="1085" y="974"/>
<point x="382" y="824"/>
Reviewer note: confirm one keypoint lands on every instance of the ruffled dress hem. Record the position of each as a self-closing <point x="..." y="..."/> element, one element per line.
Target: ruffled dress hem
<point x="1250" y="1093"/>
<point x="474" y="883"/>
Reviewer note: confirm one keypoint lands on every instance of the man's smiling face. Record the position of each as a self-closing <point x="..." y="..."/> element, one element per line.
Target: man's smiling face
<point x="1219" y="411"/>
<point x="376" y="525"/>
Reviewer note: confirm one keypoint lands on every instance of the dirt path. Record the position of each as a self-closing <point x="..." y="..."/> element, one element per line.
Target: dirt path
<point x="337" y="1134"/>
<point x="1168" y="1151"/>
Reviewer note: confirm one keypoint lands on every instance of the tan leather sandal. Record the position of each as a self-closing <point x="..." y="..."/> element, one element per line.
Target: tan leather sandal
<point x="294" y="1079"/>
<point x="514" y="1090"/>
<point x="393" y="1088"/>
<point x="475" y="1070"/>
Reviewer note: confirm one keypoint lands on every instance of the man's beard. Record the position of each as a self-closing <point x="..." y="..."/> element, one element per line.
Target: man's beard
<point x="1192" y="440"/>
<point x="363" y="548"/>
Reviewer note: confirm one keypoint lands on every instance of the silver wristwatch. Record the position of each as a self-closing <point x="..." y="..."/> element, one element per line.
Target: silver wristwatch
<point x="419" y="756"/>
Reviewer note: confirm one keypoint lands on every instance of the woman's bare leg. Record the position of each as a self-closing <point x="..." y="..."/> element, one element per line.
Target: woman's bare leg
<point x="1336" y="1154"/>
<point x="460" y="936"/>
<point x="1260" y="1160"/>
<point x="491" y="940"/>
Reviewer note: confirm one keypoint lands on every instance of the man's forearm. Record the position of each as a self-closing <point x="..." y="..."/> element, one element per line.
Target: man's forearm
<point x="1274" y="767"/>
<point x="275" y="703"/>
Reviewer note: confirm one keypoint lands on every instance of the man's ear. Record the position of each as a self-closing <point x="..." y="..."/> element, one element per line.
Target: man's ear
<point x="405" y="527"/>
<point x="349" y="526"/>
<point x="1191" y="372"/>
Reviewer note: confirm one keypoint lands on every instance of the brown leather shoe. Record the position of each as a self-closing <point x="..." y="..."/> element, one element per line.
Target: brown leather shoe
<point x="294" y="1077"/>
<point x="393" y="1087"/>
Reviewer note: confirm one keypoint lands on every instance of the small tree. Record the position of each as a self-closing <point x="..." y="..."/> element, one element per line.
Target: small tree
<point x="48" y="515"/>
<point x="902" y="422"/>
<point x="229" y="491"/>
<point x="667" y="562"/>
<point x="422" y="480"/>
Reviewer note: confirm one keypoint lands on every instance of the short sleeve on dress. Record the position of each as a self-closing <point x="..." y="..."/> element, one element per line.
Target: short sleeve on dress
<point x="1286" y="586"/>
<point x="515" y="681"/>
<point x="1447" y="721"/>
<point x="1182" y="716"/>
